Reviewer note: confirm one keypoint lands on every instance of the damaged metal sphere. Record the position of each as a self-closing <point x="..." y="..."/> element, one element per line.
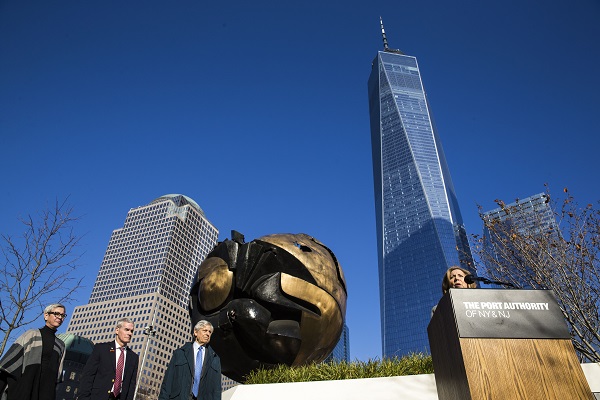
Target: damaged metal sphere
<point x="279" y="299"/>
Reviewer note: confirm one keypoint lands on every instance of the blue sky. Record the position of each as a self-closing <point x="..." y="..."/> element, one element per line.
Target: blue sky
<point x="259" y="112"/>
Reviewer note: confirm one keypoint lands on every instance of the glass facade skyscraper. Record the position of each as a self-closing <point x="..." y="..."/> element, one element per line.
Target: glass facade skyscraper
<point x="341" y="351"/>
<point x="420" y="232"/>
<point x="146" y="275"/>
<point x="77" y="352"/>
<point x="531" y="217"/>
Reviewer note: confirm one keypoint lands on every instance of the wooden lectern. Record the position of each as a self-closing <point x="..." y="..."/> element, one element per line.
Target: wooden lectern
<point x="503" y="344"/>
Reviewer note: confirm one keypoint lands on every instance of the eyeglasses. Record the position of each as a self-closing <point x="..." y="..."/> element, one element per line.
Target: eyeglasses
<point x="57" y="314"/>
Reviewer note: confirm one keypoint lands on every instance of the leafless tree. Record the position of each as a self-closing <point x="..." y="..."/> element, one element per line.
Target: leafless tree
<point x="37" y="267"/>
<point x="561" y="256"/>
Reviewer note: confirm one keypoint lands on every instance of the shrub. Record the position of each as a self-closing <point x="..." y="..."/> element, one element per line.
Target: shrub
<point x="412" y="364"/>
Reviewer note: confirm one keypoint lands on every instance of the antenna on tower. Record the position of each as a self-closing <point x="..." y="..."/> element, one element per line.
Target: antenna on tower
<point x="385" y="42"/>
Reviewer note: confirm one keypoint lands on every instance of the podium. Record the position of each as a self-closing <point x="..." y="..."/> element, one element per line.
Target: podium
<point x="503" y="344"/>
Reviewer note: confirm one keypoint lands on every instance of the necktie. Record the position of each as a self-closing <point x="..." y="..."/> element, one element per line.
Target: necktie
<point x="119" y="374"/>
<point x="197" y="372"/>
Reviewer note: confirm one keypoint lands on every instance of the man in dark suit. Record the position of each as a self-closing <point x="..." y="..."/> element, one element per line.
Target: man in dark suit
<point x="195" y="369"/>
<point x="111" y="370"/>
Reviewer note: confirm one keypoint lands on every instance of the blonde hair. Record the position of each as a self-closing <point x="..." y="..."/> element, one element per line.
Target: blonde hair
<point x="446" y="281"/>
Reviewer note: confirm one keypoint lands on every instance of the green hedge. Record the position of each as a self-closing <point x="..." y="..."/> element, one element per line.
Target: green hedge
<point x="413" y="364"/>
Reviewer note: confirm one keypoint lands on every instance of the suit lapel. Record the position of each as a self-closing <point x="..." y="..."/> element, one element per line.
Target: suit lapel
<point x="189" y="355"/>
<point x="129" y="362"/>
<point x="113" y="358"/>
<point x="206" y="362"/>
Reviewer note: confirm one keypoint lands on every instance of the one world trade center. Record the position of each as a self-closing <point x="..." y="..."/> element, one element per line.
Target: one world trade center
<point x="420" y="232"/>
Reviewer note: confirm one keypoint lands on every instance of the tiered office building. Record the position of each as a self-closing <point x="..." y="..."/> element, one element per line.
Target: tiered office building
<point x="146" y="275"/>
<point x="532" y="216"/>
<point x="420" y="232"/>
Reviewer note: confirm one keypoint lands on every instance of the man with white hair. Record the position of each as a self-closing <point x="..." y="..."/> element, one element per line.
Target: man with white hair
<point x="195" y="369"/>
<point x="110" y="372"/>
<point x="32" y="366"/>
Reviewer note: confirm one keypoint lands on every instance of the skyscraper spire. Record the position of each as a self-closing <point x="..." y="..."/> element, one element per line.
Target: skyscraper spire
<point x="385" y="43"/>
<point x="418" y="223"/>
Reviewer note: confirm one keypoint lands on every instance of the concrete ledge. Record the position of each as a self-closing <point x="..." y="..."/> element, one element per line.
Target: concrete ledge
<point x="592" y="374"/>
<point x="413" y="387"/>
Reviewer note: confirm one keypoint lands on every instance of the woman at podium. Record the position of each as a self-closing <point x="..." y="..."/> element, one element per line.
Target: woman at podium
<point x="455" y="278"/>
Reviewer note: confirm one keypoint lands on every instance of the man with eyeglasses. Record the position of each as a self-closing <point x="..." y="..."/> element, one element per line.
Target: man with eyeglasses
<point x="32" y="366"/>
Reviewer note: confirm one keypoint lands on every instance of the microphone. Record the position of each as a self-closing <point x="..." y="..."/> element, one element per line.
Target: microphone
<point x="472" y="279"/>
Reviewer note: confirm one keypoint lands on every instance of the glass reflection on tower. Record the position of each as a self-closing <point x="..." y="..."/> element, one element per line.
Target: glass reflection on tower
<point x="420" y="232"/>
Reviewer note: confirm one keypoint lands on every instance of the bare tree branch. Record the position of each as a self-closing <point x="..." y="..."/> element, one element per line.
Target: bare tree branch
<point x="538" y="256"/>
<point x="38" y="267"/>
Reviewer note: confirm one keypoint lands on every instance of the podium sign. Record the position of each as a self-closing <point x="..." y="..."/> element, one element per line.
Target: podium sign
<point x="503" y="344"/>
<point x="504" y="313"/>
